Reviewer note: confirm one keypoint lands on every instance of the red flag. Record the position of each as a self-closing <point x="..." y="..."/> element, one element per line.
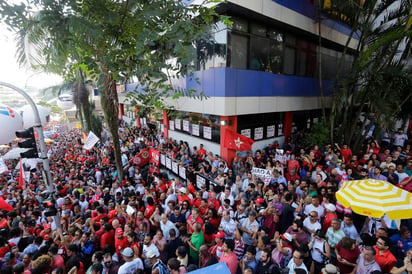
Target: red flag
<point x="4" y="205"/>
<point x="142" y="158"/>
<point x="236" y="141"/>
<point x="154" y="156"/>
<point x="21" y="176"/>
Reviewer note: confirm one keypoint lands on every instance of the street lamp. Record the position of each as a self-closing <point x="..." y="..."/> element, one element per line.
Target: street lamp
<point x="43" y="152"/>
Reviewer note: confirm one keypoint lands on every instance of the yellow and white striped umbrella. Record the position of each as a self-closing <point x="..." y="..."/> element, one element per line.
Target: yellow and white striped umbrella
<point x="375" y="198"/>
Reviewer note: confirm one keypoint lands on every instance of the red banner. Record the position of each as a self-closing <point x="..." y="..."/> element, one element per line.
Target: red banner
<point x="154" y="157"/>
<point x="236" y="141"/>
<point x="142" y="158"/>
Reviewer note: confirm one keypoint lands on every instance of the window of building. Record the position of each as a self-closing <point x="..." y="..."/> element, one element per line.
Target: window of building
<point x="238" y="50"/>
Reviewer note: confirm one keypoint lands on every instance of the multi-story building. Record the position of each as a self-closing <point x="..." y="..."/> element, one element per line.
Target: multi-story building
<point x="261" y="74"/>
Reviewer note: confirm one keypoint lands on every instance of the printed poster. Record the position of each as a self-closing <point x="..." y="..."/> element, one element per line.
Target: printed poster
<point x="258" y="133"/>
<point x="185" y="125"/>
<point x="270" y="131"/>
<point x="195" y="130"/>
<point x="178" y="124"/>
<point x="207" y="133"/>
<point x="246" y="132"/>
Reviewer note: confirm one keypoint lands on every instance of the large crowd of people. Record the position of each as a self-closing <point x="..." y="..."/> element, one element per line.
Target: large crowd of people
<point x="149" y="221"/>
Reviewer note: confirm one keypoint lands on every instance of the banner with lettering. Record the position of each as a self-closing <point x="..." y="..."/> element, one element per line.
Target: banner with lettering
<point x="263" y="174"/>
<point x="154" y="157"/>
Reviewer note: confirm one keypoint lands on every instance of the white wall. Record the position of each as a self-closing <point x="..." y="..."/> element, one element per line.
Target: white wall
<point x="193" y="141"/>
<point x="229" y="106"/>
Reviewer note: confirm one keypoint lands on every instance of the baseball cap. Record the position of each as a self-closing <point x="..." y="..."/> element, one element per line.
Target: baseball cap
<point x="330" y="207"/>
<point x="183" y="190"/>
<point x="127" y="252"/>
<point x="220" y="234"/>
<point x="119" y="231"/>
<point x="259" y="201"/>
<point x="287" y="237"/>
<point x="47" y="226"/>
<point x="151" y="254"/>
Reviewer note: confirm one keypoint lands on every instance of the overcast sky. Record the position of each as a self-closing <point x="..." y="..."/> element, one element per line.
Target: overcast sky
<point x="10" y="71"/>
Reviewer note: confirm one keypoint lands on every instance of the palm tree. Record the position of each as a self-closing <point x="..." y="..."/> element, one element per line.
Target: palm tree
<point x="132" y="37"/>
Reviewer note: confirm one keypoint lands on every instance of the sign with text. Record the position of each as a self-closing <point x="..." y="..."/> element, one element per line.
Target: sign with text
<point x="270" y="131"/>
<point x="175" y="167"/>
<point x="195" y="130"/>
<point x="178" y="124"/>
<point x="264" y="174"/>
<point x="258" y="133"/>
<point x="168" y="163"/>
<point x="163" y="159"/>
<point x="185" y="125"/>
<point x="172" y="125"/>
<point x="207" y="133"/>
<point x="246" y="132"/>
<point x="182" y="172"/>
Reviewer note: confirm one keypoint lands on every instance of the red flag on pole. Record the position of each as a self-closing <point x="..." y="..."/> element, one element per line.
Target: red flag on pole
<point x="236" y="141"/>
<point x="142" y="158"/>
<point x="21" y="176"/>
<point x="4" y="205"/>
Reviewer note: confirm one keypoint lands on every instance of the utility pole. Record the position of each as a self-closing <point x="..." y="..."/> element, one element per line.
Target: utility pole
<point x="43" y="152"/>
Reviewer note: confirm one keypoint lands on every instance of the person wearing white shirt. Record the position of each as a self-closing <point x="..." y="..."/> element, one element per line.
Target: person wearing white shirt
<point x="311" y="223"/>
<point x="315" y="206"/>
<point x="130" y="265"/>
<point x="166" y="226"/>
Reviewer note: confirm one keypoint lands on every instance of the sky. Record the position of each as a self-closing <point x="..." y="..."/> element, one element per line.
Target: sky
<point x="10" y="71"/>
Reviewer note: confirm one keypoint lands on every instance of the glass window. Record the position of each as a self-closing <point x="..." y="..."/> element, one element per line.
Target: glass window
<point x="289" y="61"/>
<point x="259" y="53"/>
<point x="238" y="51"/>
<point x="239" y="24"/>
<point x="258" y="29"/>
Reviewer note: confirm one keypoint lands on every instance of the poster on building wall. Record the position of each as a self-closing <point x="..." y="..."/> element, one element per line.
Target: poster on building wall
<point x="207" y="133"/>
<point x="195" y="130"/>
<point x="178" y="124"/>
<point x="246" y="132"/>
<point x="144" y="121"/>
<point x="163" y="159"/>
<point x="280" y="129"/>
<point x="168" y="163"/>
<point x="185" y="125"/>
<point x="182" y="172"/>
<point x="258" y="133"/>
<point x="172" y="125"/>
<point x="175" y="168"/>
<point x="270" y="131"/>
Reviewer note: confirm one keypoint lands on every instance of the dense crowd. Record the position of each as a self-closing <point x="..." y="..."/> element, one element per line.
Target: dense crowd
<point x="150" y="222"/>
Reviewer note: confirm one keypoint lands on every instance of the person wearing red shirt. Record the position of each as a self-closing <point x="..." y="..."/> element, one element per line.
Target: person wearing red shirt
<point x="212" y="201"/>
<point x="107" y="237"/>
<point x="345" y="151"/>
<point x="182" y="196"/>
<point x="229" y="257"/>
<point x="150" y="207"/>
<point x="384" y="257"/>
<point x="201" y="151"/>
<point x="194" y="218"/>
<point x="120" y="242"/>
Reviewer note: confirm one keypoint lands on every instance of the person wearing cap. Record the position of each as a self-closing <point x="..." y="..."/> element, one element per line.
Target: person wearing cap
<point x="330" y="269"/>
<point x="182" y="196"/>
<point x="217" y="249"/>
<point x="157" y="266"/>
<point x="330" y="214"/>
<point x="282" y="253"/>
<point x="120" y="242"/>
<point x="131" y="264"/>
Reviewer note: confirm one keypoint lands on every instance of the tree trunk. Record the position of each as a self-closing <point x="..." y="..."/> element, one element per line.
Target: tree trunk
<point x="110" y="106"/>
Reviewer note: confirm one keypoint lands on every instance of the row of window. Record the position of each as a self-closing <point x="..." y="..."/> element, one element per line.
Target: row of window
<point x="248" y="45"/>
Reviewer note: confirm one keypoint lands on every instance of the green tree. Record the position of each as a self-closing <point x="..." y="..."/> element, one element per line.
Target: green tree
<point x="149" y="39"/>
<point x="378" y="84"/>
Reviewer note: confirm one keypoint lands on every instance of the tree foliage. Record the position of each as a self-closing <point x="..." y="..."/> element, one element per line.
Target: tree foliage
<point x="379" y="82"/>
<point x="149" y="39"/>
